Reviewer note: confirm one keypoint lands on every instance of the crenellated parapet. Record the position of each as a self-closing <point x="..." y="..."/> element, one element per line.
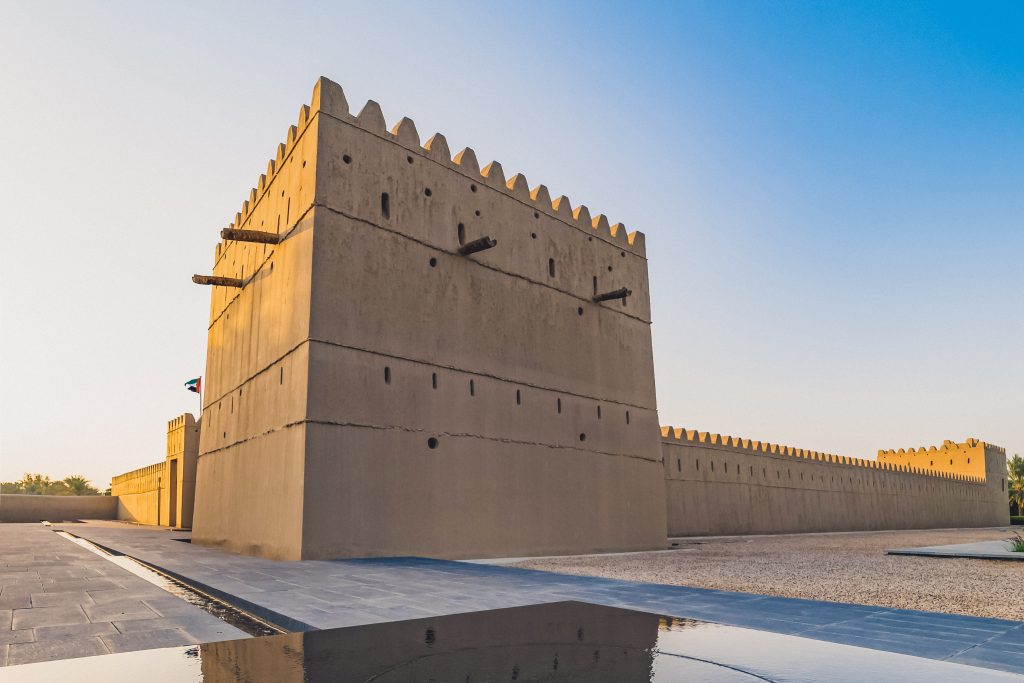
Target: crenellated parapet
<point x="329" y="99"/>
<point x="973" y="458"/>
<point x="892" y="461"/>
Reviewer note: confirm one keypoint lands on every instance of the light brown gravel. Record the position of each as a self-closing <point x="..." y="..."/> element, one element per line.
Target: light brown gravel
<point x="841" y="567"/>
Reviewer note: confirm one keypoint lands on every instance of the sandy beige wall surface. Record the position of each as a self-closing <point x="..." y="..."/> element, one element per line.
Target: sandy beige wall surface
<point x="370" y="378"/>
<point x="718" y="489"/>
<point x="16" y="507"/>
<point x="139" y="494"/>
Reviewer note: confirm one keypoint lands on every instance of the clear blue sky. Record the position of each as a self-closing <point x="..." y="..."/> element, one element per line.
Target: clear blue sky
<point x="832" y="193"/>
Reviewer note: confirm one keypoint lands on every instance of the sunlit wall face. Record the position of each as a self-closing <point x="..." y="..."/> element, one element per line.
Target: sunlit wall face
<point x="832" y="197"/>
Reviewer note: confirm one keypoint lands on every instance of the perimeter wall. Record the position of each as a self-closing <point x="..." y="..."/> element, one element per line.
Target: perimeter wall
<point x="21" y="507"/>
<point x="163" y="493"/>
<point x="719" y="485"/>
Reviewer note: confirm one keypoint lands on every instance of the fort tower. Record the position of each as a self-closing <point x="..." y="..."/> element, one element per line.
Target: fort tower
<point x="411" y="355"/>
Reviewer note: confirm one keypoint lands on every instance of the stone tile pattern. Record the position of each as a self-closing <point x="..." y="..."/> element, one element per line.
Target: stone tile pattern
<point x="58" y="600"/>
<point x="984" y="550"/>
<point x="320" y="594"/>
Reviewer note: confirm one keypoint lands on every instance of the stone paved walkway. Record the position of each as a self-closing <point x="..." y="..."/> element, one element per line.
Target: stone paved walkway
<point x="58" y="600"/>
<point x="982" y="550"/>
<point x="316" y="595"/>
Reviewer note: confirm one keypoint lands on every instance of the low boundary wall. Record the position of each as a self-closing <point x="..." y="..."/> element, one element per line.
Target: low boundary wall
<point x="721" y="485"/>
<point x="23" y="507"/>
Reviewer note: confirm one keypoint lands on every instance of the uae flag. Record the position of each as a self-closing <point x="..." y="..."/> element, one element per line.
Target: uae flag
<point x="195" y="385"/>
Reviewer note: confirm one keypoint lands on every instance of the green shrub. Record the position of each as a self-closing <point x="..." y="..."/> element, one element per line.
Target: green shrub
<point x="1017" y="519"/>
<point x="1017" y="543"/>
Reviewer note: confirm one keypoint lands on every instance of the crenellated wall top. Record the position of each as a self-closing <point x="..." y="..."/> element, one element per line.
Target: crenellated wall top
<point x="683" y="436"/>
<point x="329" y="98"/>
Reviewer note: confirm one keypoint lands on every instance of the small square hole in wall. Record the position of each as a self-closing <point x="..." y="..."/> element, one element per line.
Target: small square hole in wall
<point x="387" y="375"/>
<point x="433" y="380"/>
<point x="519" y="397"/>
<point x="559" y="404"/>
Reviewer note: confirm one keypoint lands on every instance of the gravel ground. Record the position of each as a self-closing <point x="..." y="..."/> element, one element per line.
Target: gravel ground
<point x="843" y="567"/>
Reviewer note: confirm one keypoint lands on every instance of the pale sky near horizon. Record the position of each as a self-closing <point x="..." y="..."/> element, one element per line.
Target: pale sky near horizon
<point x="832" y="195"/>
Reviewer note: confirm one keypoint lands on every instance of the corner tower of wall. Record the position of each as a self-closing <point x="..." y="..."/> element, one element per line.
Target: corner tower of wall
<point x="182" y="456"/>
<point x="453" y="404"/>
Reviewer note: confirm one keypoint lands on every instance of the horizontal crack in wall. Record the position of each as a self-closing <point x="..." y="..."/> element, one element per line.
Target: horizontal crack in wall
<point x="430" y="433"/>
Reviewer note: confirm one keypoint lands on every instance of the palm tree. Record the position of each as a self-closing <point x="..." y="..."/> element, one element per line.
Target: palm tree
<point x="1015" y="472"/>
<point x="36" y="484"/>
<point x="77" y="485"/>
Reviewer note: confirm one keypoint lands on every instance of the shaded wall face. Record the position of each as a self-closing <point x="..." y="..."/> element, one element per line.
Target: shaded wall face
<point x="17" y="507"/>
<point x="714" y="490"/>
<point x="552" y="642"/>
<point x="252" y="443"/>
<point x="470" y="405"/>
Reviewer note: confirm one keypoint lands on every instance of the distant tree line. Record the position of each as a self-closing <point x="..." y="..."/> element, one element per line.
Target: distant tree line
<point x="1015" y="470"/>
<point x="42" y="485"/>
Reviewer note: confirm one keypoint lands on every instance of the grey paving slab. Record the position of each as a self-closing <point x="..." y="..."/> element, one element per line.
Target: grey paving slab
<point x="58" y="599"/>
<point x="74" y="631"/>
<point x="48" y="650"/>
<point x="16" y="601"/>
<point x="106" y="596"/>
<point x="23" y="636"/>
<point x="990" y="658"/>
<point x="981" y="550"/>
<point x="190" y="624"/>
<point x="322" y="594"/>
<point x="147" y="640"/>
<point x="49" y="616"/>
<point x="120" y="610"/>
<point x="86" y="584"/>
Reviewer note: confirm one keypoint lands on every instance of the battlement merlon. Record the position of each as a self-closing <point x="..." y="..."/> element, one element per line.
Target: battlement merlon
<point x="977" y="474"/>
<point x="329" y="99"/>
<point x="972" y="457"/>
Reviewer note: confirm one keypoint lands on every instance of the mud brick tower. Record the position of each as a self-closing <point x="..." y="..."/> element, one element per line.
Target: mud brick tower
<point x="409" y="355"/>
